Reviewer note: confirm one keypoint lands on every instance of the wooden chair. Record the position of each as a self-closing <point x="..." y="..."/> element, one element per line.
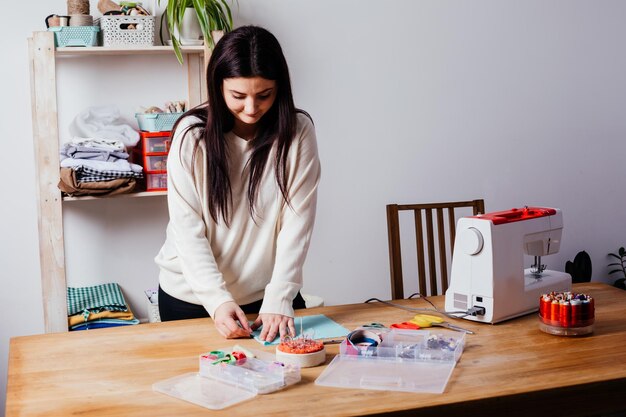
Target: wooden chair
<point x="395" y="256"/>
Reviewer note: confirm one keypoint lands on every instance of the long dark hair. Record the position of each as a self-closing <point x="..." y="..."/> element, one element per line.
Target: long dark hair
<point x="247" y="51"/>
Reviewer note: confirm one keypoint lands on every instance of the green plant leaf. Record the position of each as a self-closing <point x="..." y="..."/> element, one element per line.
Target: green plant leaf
<point x="615" y="256"/>
<point x="616" y="270"/>
<point x="212" y="15"/>
<point x="203" y="18"/>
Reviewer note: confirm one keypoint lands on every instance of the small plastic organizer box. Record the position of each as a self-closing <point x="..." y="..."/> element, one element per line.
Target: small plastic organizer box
<point x="127" y="30"/>
<point x="152" y="300"/>
<point x="75" y="35"/>
<point x="156" y="122"/>
<point x="152" y="155"/>
<point x="405" y="360"/>
<point x="223" y="380"/>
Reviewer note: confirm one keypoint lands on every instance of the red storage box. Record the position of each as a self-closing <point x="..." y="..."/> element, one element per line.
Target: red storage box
<point x="155" y="163"/>
<point x="155" y="142"/>
<point x="156" y="182"/>
<point x="151" y="153"/>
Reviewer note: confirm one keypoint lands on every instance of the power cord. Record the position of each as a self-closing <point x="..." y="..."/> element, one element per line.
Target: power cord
<point x="451" y="314"/>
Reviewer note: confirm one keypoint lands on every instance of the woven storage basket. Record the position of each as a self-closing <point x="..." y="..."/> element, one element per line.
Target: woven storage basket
<point x="75" y="35"/>
<point x="156" y="122"/>
<point x="127" y="30"/>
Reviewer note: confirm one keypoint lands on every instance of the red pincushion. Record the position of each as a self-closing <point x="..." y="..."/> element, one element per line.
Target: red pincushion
<point x="300" y="346"/>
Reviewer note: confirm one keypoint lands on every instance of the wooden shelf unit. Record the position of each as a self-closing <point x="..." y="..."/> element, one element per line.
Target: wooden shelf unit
<point x="43" y="56"/>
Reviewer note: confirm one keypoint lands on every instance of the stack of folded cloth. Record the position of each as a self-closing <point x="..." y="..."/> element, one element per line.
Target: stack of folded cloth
<point x="97" y="307"/>
<point x="91" y="166"/>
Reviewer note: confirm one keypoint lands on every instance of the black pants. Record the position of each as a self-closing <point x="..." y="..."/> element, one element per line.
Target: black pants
<point x="171" y="308"/>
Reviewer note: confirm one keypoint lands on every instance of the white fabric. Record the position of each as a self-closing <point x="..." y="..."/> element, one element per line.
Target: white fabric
<point x="104" y="122"/>
<point x="98" y="143"/>
<point x="206" y="263"/>
<point x="119" y="165"/>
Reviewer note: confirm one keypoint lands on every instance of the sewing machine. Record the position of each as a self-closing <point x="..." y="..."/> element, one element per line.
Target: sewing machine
<point x="488" y="276"/>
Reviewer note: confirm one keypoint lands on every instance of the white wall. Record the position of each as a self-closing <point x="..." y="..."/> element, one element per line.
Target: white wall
<point x="413" y="101"/>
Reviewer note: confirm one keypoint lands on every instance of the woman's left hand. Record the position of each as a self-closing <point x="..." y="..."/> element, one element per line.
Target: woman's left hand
<point x="273" y="325"/>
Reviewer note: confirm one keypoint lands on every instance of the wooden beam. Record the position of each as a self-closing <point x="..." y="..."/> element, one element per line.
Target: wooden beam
<point x="46" y="146"/>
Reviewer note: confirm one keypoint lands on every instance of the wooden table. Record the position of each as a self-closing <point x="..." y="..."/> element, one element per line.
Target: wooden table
<point x="508" y="369"/>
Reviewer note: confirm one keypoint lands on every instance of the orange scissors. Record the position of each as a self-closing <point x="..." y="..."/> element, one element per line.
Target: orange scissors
<point x="407" y="325"/>
<point x="427" y="320"/>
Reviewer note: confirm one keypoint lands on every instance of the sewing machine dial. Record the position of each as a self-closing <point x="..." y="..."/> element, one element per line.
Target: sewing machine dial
<point x="470" y="241"/>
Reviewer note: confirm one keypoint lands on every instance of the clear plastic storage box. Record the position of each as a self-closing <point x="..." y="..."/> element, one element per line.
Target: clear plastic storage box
<point x="252" y="374"/>
<point x="220" y="383"/>
<point x="406" y="360"/>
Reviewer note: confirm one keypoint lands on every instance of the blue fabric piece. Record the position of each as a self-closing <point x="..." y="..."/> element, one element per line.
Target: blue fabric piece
<point x="314" y="327"/>
<point x="99" y="325"/>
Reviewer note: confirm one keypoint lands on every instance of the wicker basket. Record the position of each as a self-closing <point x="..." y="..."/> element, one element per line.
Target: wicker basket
<point x="127" y="30"/>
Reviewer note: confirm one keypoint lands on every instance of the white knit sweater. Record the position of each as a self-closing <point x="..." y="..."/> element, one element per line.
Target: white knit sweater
<point x="207" y="263"/>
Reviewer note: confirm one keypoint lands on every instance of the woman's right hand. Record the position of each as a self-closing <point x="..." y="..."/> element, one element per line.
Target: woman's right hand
<point x="231" y="321"/>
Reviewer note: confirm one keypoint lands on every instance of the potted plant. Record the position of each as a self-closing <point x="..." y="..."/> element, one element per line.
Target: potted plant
<point x="621" y="267"/>
<point x="211" y="15"/>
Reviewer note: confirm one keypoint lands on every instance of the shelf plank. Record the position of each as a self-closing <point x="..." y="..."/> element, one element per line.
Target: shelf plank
<point x="126" y="50"/>
<point x="140" y="194"/>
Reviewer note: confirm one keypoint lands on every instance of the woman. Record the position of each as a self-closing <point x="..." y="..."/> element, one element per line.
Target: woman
<point x="243" y="172"/>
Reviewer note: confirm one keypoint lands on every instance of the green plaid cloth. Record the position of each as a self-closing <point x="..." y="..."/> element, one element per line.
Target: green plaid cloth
<point x="95" y="299"/>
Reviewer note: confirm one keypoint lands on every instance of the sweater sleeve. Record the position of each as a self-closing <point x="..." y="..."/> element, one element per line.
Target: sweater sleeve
<point x="198" y="264"/>
<point x="296" y="223"/>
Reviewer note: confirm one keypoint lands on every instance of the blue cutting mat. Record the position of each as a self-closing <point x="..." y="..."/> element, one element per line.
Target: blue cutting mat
<point x="317" y="327"/>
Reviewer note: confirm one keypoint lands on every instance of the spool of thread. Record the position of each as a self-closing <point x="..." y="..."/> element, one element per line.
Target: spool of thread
<point x="566" y="314"/>
<point x="81" y="20"/>
<point x="77" y="7"/>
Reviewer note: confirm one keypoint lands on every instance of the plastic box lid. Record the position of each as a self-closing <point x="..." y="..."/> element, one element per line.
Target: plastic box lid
<point x="406" y="360"/>
<point x="205" y="392"/>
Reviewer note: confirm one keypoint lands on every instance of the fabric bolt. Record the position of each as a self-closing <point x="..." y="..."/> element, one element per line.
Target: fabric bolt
<point x="95" y="299"/>
<point x="71" y="186"/>
<point x="100" y="324"/>
<point x="92" y="316"/>
<point x="95" y="154"/>
<point x="84" y="174"/>
<point x="98" y="143"/>
<point x="208" y="263"/>
<point x="119" y="165"/>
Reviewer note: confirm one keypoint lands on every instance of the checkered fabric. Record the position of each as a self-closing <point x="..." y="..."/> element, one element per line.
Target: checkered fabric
<point x="87" y="174"/>
<point x="95" y="299"/>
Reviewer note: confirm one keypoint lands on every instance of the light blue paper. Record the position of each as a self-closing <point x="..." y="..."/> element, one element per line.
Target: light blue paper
<point x="317" y="327"/>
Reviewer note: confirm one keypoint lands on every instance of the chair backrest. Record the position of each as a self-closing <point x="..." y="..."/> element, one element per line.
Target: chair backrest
<point x="431" y="239"/>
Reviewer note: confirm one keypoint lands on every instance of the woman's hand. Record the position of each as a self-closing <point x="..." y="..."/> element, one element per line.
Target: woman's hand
<point x="273" y="325"/>
<point x="231" y="321"/>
